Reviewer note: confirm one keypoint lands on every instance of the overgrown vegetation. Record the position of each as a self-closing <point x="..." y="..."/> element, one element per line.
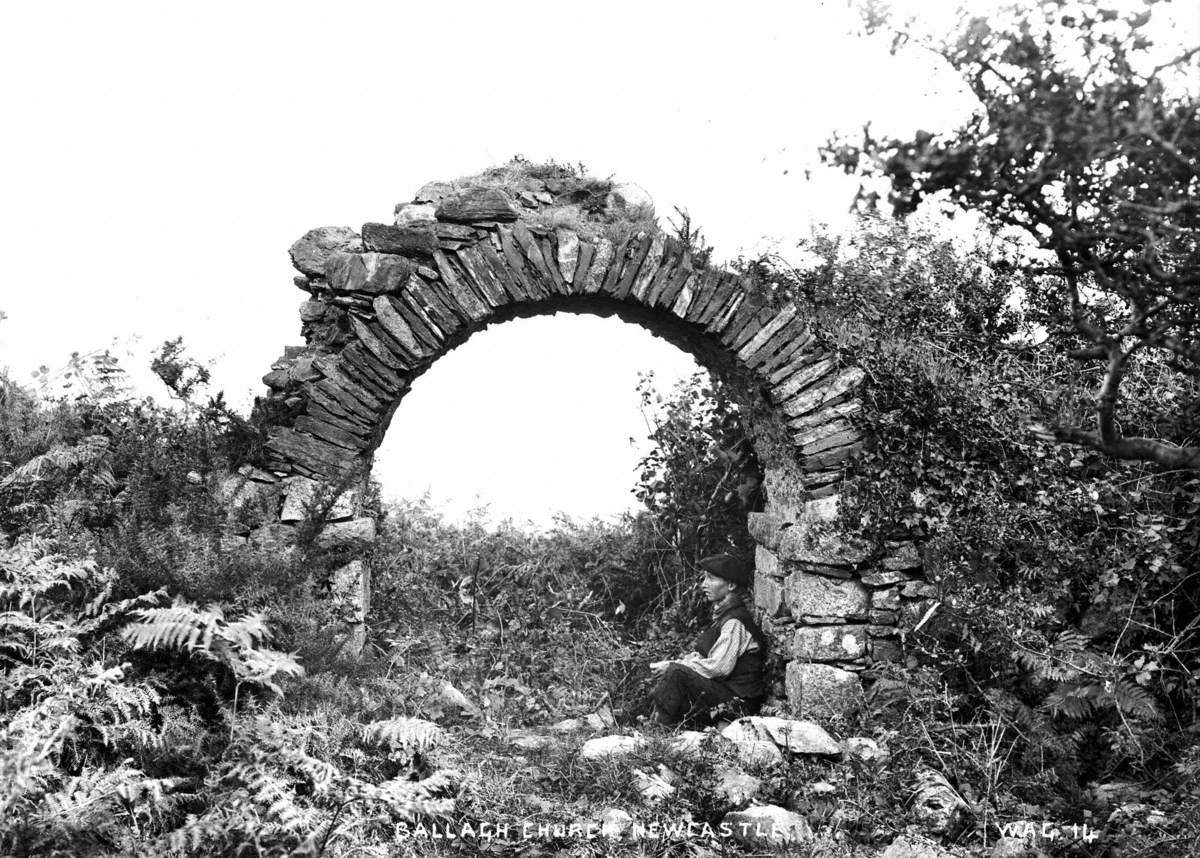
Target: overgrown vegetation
<point x="1062" y="654"/>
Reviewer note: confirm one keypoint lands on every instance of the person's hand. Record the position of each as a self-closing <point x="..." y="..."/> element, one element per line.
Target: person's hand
<point x="658" y="668"/>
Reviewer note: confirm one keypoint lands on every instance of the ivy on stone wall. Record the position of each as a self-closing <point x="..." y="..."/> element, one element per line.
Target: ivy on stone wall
<point x="1064" y="580"/>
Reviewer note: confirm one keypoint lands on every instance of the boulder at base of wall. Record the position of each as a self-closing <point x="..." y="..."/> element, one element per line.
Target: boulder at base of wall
<point x="810" y="595"/>
<point x="301" y="497"/>
<point x="822" y="690"/>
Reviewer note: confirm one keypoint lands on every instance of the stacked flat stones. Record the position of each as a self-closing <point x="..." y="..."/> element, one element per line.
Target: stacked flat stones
<point x="388" y="301"/>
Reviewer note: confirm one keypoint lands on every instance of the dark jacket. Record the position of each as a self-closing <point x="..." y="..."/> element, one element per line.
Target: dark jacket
<point x="746" y="678"/>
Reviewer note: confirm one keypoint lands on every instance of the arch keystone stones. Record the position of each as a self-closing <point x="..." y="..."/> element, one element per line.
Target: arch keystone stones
<point x="518" y="240"/>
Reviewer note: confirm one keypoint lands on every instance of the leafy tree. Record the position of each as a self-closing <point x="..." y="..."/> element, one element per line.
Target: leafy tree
<point x="1088" y="141"/>
<point x="701" y="475"/>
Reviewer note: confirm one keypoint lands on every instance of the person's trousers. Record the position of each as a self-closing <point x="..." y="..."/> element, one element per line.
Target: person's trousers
<point x="681" y="694"/>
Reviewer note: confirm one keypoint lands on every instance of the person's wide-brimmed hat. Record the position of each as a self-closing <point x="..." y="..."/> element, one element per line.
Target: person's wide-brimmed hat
<point x="732" y="568"/>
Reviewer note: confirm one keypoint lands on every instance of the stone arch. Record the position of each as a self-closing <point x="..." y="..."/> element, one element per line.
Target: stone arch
<point x="387" y="301"/>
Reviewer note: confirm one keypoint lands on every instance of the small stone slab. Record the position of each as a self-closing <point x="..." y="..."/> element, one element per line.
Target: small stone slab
<point x="822" y="690"/>
<point x="721" y="323"/>
<point x="331" y="367"/>
<point x="550" y="257"/>
<point x="359" y="362"/>
<point x="299" y="494"/>
<point x="764" y="335"/>
<point x="791" y="337"/>
<point x="820" y="437"/>
<point x="739" y="318"/>
<point x="830" y="643"/>
<point x="689" y="744"/>
<point x="803" y="379"/>
<point x="356" y="533"/>
<point x="513" y="282"/>
<point x="464" y="296"/>
<point x="809" y="595"/>
<point x="601" y="261"/>
<point x="748" y="321"/>
<point x="818" y="395"/>
<point x="901" y="556"/>
<point x="635" y="255"/>
<point x="866" y="749"/>
<point x="329" y="432"/>
<point x="369" y="273"/>
<point x="434" y="302"/>
<point x="883" y="579"/>
<point x="537" y="261"/>
<point x="887" y="599"/>
<point x="481" y="276"/>
<point x="473" y="205"/>
<point x="387" y="311"/>
<point x="609" y="747"/>
<point x="799" y="339"/>
<point x="768" y="594"/>
<point x="766" y="529"/>
<point x="406" y="240"/>
<point x="413" y="214"/>
<point x="673" y="289"/>
<point x="919" y="590"/>
<point x="648" y="269"/>
<point x="332" y="400"/>
<point x="821" y="545"/>
<point x="671" y="255"/>
<point x="311" y="251"/>
<point x="798" y="361"/>
<point x="698" y="293"/>
<point x="311" y="455"/>
<point x="377" y="346"/>
<point x="568" y="253"/>
<point x="787" y="734"/>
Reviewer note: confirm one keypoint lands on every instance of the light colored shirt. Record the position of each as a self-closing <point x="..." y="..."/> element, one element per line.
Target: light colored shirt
<point x="733" y="642"/>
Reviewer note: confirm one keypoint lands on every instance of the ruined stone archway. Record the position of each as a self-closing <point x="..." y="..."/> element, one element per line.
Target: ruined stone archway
<point x="387" y="302"/>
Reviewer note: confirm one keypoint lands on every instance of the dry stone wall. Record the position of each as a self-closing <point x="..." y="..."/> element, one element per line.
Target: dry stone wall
<point x="386" y="301"/>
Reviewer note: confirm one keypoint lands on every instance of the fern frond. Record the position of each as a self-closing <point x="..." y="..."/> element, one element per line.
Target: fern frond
<point x="1133" y="699"/>
<point x="181" y="626"/>
<point x="1073" y="701"/>
<point x="55" y="462"/>
<point x="409" y="735"/>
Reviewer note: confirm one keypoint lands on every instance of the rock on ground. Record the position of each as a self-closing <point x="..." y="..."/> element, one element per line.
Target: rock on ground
<point x="936" y="805"/>
<point x="614" y="822"/>
<point x="737" y="787"/>
<point x="867" y="750"/>
<point x="798" y="737"/>
<point x="605" y="747"/>
<point x="913" y="847"/>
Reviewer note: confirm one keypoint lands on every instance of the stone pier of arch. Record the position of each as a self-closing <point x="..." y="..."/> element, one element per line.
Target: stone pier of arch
<point x="384" y="302"/>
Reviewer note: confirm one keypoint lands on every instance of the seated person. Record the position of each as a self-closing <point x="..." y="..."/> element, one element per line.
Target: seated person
<point x="726" y="665"/>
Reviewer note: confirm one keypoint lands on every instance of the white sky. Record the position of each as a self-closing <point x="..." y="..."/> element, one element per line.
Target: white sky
<point x="160" y="160"/>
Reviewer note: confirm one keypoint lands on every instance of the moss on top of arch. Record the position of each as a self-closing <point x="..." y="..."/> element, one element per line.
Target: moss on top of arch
<point x="552" y="195"/>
